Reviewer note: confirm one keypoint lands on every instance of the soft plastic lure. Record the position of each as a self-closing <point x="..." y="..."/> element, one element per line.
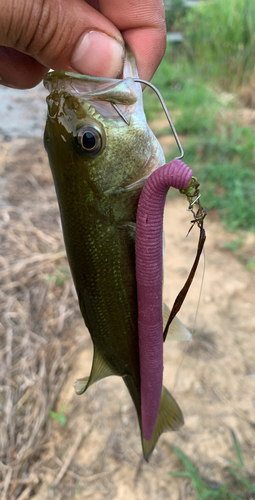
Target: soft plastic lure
<point x="149" y="272"/>
<point x="149" y="278"/>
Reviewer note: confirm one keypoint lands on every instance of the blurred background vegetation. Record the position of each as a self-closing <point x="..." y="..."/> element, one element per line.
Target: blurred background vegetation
<point x="207" y="79"/>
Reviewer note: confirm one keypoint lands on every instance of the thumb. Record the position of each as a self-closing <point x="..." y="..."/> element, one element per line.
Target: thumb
<point x="37" y="35"/>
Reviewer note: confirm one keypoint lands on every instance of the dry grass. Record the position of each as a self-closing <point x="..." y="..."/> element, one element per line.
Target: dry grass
<point x="97" y="453"/>
<point x="37" y="303"/>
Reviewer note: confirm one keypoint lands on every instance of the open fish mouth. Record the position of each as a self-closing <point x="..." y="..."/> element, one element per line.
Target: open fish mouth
<point x="110" y="97"/>
<point x="96" y="87"/>
<point x="92" y="88"/>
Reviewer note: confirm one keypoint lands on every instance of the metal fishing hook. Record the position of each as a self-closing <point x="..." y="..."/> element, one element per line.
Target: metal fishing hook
<point x="191" y="204"/>
<point x="166" y="113"/>
<point x="190" y="209"/>
<point x="120" y="113"/>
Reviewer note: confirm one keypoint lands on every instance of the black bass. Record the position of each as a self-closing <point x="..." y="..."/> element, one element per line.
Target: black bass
<point x="101" y="151"/>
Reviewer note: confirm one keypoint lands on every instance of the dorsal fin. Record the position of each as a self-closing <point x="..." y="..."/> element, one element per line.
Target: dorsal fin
<point x="99" y="370"/>
<point x="177" y="330"/>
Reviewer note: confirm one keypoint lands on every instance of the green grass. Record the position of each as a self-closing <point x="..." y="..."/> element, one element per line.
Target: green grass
<point x="225" y="166"/>
<point x="230" y="189"/>
<point x="233" y="245"/>
<point x="175" y="14"/>
<point x="221" y="153"/>
<point x="184" y="94"/>
<point x="60" y="416"/>
<point x="60" y="276"/>
<point x="240" y="484"/>
<point x="221" y="36"/>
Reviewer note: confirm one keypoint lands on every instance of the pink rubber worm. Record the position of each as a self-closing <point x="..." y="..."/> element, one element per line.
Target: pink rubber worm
<point x="149" y="277"/>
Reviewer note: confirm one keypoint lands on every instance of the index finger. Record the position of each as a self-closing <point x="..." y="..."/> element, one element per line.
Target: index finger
<point x="142" y="25"/>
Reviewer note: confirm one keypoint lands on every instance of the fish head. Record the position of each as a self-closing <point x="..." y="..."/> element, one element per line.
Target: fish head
<point x="96" y="131"/>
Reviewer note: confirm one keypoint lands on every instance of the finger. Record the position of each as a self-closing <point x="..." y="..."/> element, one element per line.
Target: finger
<point x="18" y="70"/>
<point x="61" y="35"/>
<point x="142" y="25"/>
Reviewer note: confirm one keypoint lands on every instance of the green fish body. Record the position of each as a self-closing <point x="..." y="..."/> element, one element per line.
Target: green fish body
<point x="100" y="161"/>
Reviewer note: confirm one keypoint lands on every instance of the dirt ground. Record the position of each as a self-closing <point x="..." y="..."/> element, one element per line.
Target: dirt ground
<point x="96" y="451"/>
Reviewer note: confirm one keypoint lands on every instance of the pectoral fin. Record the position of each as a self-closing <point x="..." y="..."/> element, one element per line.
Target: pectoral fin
<point x="170" y="418"/>
<point x="100" y="369"/>
<point x="177" y="330"/>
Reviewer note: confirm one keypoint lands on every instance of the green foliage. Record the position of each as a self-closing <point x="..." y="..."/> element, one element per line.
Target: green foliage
<point x="229" y="189"/>
<point x="174" y="12"/>
<point x="184" y="93"/>
<point x="226" y="164"/>
<point x="60" y="416"/>
<point x="239" y="486"/>
<point x="236" y="247"/>
<point x="221" y="153"/>
<point x="226" y="170"/>
<point x="233" y="245"/>
<point x="229" y="142"/>
<point x="221" y="35"/>
<point x="250" y="265"/>
<point x="60" y="275"/>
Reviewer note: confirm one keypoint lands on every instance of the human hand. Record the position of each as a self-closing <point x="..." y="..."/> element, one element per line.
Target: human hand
<point x="36" y="35"/>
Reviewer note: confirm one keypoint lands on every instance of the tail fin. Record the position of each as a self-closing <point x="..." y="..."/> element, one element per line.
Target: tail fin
<point x="170" y="418"/>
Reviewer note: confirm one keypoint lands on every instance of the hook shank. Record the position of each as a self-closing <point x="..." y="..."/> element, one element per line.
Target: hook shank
<point x="166" y="113"/>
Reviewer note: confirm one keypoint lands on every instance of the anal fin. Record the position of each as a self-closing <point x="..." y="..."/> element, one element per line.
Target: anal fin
<point x="170" y="418"/>
<point x="177" y="330"/>
<point x="100" y="369"/>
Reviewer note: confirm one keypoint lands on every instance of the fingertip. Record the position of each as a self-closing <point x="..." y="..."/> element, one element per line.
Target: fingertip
<point x="98" y="54"/>
<point x="148" y="47"/>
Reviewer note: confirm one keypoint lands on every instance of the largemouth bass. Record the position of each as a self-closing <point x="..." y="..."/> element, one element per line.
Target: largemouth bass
<point x="101" y="151"/>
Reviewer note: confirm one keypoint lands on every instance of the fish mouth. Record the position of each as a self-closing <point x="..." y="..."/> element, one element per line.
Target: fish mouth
<point x="117" y="90"/>
<point x="89" y="88"/>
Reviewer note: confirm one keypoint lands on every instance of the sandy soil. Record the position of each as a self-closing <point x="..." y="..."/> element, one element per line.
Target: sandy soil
<point x="97" y="453"/>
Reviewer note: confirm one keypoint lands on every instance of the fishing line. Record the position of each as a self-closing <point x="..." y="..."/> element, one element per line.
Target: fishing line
<point x="200" y="293"/>
<point x="193" y="327"/>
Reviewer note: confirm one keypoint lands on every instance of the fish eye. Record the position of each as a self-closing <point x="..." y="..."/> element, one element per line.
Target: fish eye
<point x="89" y="139"/>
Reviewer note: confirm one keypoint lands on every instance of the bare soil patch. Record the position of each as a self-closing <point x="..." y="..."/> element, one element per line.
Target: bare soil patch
<point x="45" y="347"/>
